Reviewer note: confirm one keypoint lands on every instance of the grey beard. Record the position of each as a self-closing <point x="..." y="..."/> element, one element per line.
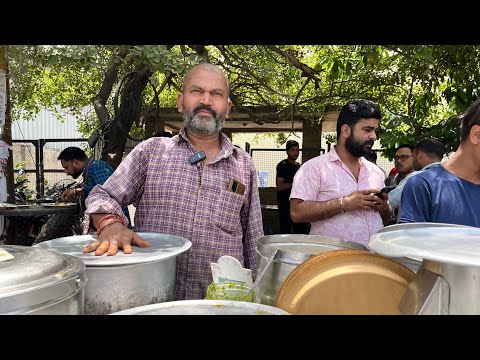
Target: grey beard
<point x="197" y="124"/>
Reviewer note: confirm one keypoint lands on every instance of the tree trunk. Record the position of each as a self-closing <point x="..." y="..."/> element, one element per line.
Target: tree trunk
<point x="115" y="139"/>
<point x="6" y="133"/>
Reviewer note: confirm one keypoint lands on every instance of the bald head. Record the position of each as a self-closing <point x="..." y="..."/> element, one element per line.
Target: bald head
<point x="205" y="67"/>
<point x="204" y="102"/>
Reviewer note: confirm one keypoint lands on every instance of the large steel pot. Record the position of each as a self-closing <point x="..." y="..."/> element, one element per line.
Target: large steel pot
<point x="278" y="255"/>
<point x="448" y="282"/>
<point x="41" y="282"/>
<point x="123" y="281"/>
<point x="204" y="307"/>
<point x="412" y="263"/>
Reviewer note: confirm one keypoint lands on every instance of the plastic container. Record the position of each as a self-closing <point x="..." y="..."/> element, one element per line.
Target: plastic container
<point x="230" y="291"/>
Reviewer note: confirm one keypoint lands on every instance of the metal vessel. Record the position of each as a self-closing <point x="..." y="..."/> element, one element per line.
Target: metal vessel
<point x="123" y="281"/>
<point x="204" y="307"/>
<point x="41" y="282"/>
<point x="448" y="282"/>
<point x="278" y="255"/>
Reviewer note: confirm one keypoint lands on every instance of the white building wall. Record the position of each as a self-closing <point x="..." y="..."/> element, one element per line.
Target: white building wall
<point x="46" y="126"/>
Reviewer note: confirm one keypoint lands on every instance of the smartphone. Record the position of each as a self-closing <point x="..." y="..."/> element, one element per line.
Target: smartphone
<point x="386" y="190"/>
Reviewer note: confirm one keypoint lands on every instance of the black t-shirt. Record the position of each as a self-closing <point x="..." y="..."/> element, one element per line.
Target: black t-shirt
<point x="286" y="170"/>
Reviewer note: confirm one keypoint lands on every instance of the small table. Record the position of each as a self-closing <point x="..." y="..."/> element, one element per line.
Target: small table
<point x="22" y="217"/>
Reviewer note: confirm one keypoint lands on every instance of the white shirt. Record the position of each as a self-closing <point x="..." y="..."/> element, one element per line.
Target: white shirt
<point x="395" y="195"/>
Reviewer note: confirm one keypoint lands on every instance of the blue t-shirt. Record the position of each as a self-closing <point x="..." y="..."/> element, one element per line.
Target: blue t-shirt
<point x="439" y="196"/>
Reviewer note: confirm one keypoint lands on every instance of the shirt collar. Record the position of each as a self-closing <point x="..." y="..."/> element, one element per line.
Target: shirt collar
<point x="226" y="144"/>
<point x="333" y="156"/>
<point x="432" y="164"/>
<point x="85" y="166"/>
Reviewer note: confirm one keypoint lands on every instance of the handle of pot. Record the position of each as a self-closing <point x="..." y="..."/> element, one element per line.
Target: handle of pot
<point x="259" y="277"/>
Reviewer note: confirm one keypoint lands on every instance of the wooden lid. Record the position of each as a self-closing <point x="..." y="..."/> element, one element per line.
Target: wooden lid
<point x="345" y="282"/>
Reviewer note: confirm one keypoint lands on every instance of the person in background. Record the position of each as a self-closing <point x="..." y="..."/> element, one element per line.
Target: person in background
<point x="372" y="157"/>
<point x="449" y="193"/>
<point x="286" y="170"/>
<point x="94" y="172"/>
<point x="404" y="164"/>
<point x="403" y="160"/>
<point x="335" y="191"/>
<point x="426" y="154"/>
<point x="75" y="163"/>
<point x="196" y="184"/>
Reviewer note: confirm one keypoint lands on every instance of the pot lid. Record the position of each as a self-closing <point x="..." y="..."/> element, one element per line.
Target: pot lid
<point x="445" y="243"/>
<point x="162" y="246"/>
<point x="34" y="267"/>
<point x="203" y="307"/>
<point x="345" y="282"/>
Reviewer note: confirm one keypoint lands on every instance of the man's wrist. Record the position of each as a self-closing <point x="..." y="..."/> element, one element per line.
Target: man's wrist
<point x="77" y="192"/>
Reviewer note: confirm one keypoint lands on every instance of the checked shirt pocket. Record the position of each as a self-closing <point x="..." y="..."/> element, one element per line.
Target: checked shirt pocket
<point x="227" y="211"/>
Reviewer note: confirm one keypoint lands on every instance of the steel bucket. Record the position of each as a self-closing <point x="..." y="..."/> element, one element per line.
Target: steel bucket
<point x="278" y="255"/>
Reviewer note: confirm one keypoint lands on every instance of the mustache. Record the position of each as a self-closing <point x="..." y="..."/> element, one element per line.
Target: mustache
<point x="207" y="108"/>
<point x="369" y="142"/>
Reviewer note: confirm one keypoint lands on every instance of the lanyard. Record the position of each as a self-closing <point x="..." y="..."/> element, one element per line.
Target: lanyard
<point x="85" y="179"/>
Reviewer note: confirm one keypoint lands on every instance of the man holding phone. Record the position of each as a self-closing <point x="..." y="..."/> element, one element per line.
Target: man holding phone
<point x="335" y="191"/>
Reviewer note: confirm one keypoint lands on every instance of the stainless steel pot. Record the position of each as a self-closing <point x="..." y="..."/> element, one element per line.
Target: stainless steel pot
<point x="278" y="255"/>
<point x="448" y="282"/>
<point x="204" y="307"/>
<point x="123" y="281"/>
<point x="41" y="282"/>
<point x="411" y="263"/>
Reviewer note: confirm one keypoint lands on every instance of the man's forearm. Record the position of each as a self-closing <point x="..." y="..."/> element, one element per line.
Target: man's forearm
<point x="309" y="211"/>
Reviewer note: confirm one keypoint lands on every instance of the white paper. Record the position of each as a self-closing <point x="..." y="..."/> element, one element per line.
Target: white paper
<point x="5" y="255"/>
<point x="229" y="268"/>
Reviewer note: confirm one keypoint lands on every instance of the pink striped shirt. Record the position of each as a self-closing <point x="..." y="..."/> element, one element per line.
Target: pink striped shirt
<point x="175" y="197"/>
<point x="326" y="177"/>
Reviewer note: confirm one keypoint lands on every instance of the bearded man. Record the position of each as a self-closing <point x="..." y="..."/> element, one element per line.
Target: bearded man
<point x="196" y="184"/>
<point x="335" y="191"/>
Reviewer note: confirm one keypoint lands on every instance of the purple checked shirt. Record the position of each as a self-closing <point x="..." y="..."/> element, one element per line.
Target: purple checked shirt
<point x="175" y="197"/>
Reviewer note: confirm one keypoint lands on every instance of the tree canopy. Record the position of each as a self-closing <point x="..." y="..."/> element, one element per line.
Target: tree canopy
<point x="420" y="88"/>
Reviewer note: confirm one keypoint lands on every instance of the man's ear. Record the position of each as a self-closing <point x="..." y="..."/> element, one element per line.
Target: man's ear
<point x="180" y="102"/>
<point x="345" y="130"/>
<point x="229" y="107"/>
<point x="475" y="134"/>
<point x="419" y="154"/>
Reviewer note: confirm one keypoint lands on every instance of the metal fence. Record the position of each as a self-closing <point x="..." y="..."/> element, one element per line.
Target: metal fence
<point x="266" y="161"/>
<point x="41" y="164"/>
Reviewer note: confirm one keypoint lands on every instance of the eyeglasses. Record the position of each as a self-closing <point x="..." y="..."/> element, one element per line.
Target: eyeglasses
<point x="401" y="157"/>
